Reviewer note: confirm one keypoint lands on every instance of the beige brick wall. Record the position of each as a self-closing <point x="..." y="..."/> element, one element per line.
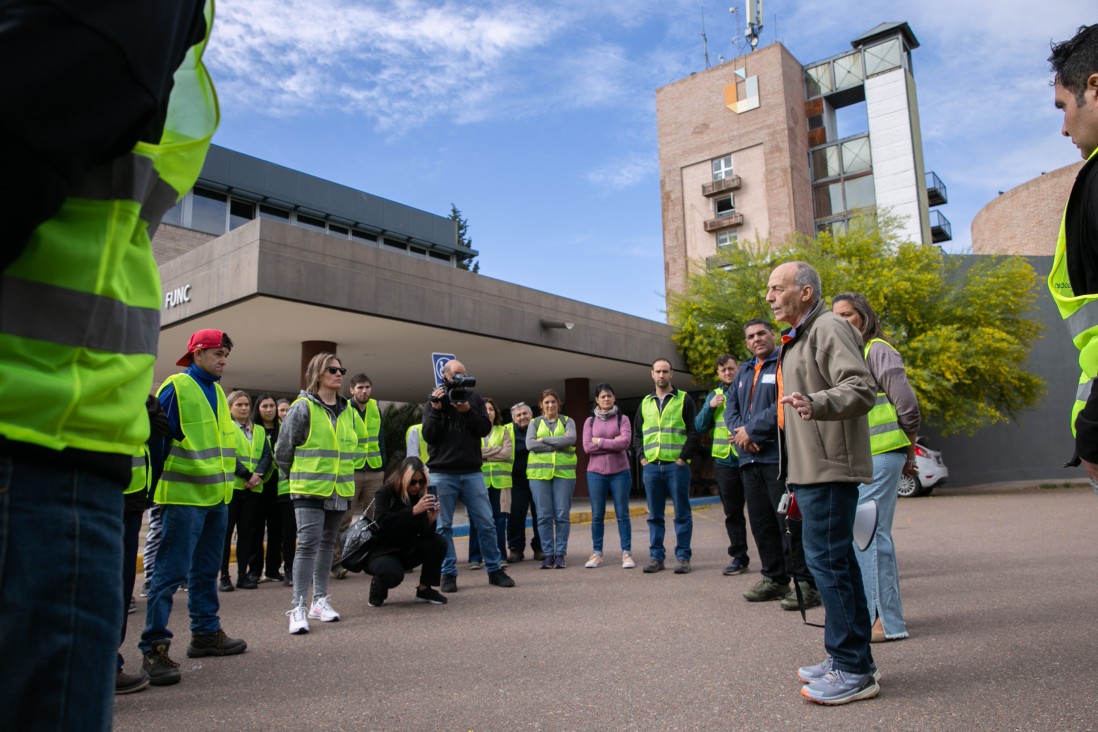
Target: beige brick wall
<point x="1026" y="219"/>
<point x="172" y="241"/>
<point x="769" y="147"/>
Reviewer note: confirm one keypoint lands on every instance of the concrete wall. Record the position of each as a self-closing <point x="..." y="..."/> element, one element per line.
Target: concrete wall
<point x="1035" y="446"/>
<point x="1025" y="219"/>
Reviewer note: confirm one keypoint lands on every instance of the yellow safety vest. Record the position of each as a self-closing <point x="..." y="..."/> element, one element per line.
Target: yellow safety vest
<point x="885" y="434"/>
<point x="418" y="429"/>
<point x="722" y="448"/>
<point x="369" y="429"/>
<point x="80" y="316"/>
<point x="249" y="453"/>
<point x="142" y="471"/>
<point x="326" y="461"/>
<point x="199" y="470"/>
<point x="497" y="473"/>
<point x="1080" y="315"/>
<point x="664" y="433"/>
<point x="560" y="463"/>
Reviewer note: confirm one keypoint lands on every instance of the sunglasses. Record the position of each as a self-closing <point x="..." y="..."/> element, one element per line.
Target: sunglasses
<point x="418" y="481"/>
<point x="337" y="370"/>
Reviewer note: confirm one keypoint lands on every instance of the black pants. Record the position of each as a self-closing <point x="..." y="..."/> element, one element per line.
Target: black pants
<point x="131" y="532"/>
<point x="730" y="488"/>
<point x="516" y="523"/>
<point x="269" y="522"/>
<point x="388" y="570"/>
<point x="289" y="532"/>
<point x="780" y="551"/>
<point x="243" y="516"/>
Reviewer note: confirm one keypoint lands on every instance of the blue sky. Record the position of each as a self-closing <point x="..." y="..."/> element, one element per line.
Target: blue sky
<point x="537" y="119"/>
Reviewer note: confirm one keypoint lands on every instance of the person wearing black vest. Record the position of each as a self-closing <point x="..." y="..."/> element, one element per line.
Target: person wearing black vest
<point x="521" y="500"/>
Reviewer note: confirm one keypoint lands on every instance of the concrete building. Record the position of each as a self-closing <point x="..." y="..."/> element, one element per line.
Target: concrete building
<point x="764" y="146"/>
<point x="291" y="265"/>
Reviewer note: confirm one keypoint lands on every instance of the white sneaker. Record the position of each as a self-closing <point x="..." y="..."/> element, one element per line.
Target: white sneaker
<point x="594" y="562"/>
<point x="323" y="611"/>
<point x="298" y="623"/>
<point x="627" y="561"/>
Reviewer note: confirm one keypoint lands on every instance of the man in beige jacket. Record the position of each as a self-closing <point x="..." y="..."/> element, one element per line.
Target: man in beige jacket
<point x="824" y="394"/>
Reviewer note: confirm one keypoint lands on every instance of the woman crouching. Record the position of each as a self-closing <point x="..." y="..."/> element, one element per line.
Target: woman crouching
<point x="405" y="513"/>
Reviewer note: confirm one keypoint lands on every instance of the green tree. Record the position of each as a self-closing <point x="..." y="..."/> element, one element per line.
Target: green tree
<point x="960" y="323"/>
<point x="471" y="264"/>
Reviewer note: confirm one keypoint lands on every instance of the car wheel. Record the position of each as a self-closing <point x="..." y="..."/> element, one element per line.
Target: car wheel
<point x="909" y="487"/>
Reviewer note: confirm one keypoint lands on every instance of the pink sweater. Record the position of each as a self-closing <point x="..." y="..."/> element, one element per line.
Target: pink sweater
<point x="608" y="457"/>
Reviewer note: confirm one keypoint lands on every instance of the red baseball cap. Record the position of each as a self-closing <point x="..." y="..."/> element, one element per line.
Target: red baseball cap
<point x="201" y="340"/>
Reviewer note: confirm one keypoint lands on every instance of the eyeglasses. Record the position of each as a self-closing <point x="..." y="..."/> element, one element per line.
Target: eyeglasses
<point x="418" y="481"/>
<point x="337" y="370"/>
<point x="516" y="406"/>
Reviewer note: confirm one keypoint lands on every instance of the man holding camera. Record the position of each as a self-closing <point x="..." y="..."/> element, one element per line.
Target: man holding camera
<point x="454" y="421"/>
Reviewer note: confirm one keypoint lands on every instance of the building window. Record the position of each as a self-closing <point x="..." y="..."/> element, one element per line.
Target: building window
<point x="818" y="80"/>
<point x="722" y="168"/>
<point x="311" y="222"/>
<point x="825" y="163"/>
<point x="848" y="70"/>
<point x="174" y="215"/>
<point x="209" y="211"/>
<point x="724" y="207"/>
<point x="856" y="158"/>
<point x="240" y="213"/>
<point x="340" y="231"/>
<point x="270" y="212"/>
<point x="883" y="57"/>
<point x="726" y="238"/>
<point x="394" y="244"/>
<point x="440" y="257"/>
<point x="363" y="236"/>
<point x="859" y="193"/>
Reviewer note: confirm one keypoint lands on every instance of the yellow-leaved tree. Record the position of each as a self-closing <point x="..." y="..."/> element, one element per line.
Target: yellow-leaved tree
<point x="961" y="323"/>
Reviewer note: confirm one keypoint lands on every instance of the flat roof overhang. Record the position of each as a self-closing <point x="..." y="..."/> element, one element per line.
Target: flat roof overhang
<point x="271" y="286"/>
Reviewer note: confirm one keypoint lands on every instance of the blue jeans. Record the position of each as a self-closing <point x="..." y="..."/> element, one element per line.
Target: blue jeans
<point x="499" y="519"/>
<point x="553" y="499"/>
<point x="880" y="574"/>
<point x="828" y="538"/>
<point x="190" y="549"/>
<point x="618" y="485"/>
<point x="470" y="488"/>
<point x="60" y="595"/>
<point x="661" y="481"/>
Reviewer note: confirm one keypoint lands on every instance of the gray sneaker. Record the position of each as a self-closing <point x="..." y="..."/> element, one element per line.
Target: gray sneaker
<point x="840" y="687"/>
<point x="765" y="590"/>
<point x="808" y="674"/>
<point x="682" y="566"/>
<point x="808" y="592"/>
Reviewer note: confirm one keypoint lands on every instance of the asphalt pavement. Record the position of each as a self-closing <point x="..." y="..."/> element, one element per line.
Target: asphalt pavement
<point x="998" y="585"/>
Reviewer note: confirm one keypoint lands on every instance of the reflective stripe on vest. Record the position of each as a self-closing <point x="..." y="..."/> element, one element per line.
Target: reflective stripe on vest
<point x="325" y="462"/>
<point x="199" y="470"/>
<point x="80" y="307"/>
<point x="664" y="433"/>
<point x="885" y="434"/>
<point x="368" y="443"/>
<point x="141" y="475"/>
<point x="560" y="463"/>
<point x="418" y="430"/>
<point x="1080" y="315"/>
<point x="249" y="453"/>
<point x="497" y="473"/>
<point x="722" y="447"/>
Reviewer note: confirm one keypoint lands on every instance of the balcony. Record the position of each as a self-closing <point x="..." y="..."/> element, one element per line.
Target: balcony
<point x="935" y="190"/>
<point x="940" y="230"/>
<point x="724" y="222"/>
<point x="730" y="183"/>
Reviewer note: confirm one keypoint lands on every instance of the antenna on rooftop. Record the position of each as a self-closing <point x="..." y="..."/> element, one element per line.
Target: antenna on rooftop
<point x="705" y="41"/>
<point x="754" y="22"/>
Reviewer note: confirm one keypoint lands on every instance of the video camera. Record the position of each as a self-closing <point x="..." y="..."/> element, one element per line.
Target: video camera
<point x="458" y="388"/>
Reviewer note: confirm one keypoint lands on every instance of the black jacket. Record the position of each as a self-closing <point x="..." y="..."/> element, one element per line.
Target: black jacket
<point x="399" y="530"/>
<point x="453" y="438"/>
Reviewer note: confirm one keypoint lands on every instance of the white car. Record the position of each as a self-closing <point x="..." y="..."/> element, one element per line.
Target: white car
<point x="932" y="472"/>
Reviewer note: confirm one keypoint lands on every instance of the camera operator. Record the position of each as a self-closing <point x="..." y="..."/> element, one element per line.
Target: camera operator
<point x="454" y="421"/>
